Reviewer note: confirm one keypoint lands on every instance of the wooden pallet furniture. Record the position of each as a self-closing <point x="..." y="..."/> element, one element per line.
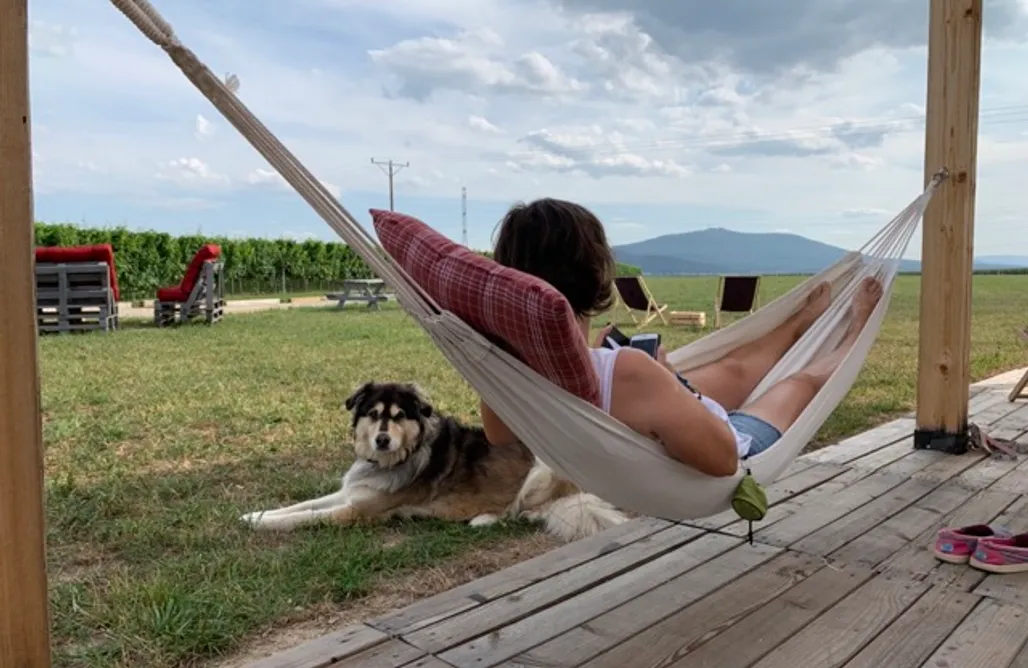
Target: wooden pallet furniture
<point x="688" y="318"/>
<point x="736" y="294"/>
<point x="200" y="294"/>
<point x="632" y="293"/>
<point x="840" y="575"/>
<point x="367" y="290"/>
<point x="76" y="288"/>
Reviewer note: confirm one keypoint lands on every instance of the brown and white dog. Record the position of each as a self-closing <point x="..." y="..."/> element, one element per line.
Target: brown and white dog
<point x="414" y="462"/>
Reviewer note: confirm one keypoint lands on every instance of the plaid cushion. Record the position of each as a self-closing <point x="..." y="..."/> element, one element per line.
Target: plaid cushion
<point x="523" y="314"/>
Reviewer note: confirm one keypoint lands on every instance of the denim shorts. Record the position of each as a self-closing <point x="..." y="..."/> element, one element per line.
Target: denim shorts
<point x="763" y="434"/>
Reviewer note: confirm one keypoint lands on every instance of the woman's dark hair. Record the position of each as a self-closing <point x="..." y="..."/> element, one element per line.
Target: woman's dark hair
<point x="564" y="244"/>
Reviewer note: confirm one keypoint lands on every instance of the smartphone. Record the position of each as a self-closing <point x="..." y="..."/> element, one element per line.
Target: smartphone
<point x="616" y="339"/>
<point x="648" y="342"/>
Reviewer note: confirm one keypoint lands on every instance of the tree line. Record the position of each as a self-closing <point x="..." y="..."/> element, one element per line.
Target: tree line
<point x="150" y="260"/>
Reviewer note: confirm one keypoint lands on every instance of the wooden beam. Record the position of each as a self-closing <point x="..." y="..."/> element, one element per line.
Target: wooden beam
<point x="951" y="141"/>
<point x="24" y="609"/>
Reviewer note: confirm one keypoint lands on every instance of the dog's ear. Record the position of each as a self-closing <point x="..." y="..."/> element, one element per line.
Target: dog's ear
<point x="424" y="407"/>
<point x="357" y="396"/>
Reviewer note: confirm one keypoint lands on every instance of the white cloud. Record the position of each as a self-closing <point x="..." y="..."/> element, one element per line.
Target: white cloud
<point x="51" y="39"/>
<point x="204" y="128"/>
<point x="190" y="171"/>
<point x="263" y="178"/>
<point x="469" y="62"/>
<point x="482" y="125"/>
<point x="864" y="212"/>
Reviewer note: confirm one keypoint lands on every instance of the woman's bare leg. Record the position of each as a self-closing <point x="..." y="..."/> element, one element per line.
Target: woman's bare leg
<point x="732" y="378"/>
<point x="783" y="403"/>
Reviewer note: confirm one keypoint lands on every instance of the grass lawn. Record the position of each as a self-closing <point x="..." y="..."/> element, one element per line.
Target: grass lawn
<point x="157" y="440"/>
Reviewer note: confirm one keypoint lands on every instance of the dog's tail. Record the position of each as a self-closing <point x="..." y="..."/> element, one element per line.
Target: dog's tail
<point x="577" y="516"/>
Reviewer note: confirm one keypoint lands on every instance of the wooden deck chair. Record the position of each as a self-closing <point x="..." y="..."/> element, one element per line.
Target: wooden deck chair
<point x="200" y="293"/>
<point x="1018" y="391"/>
<point x="632" y="293"/>
<point x="736" y="294"/>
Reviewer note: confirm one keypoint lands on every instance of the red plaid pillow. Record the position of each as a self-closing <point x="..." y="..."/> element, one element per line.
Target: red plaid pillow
<point x="509" y="307"/>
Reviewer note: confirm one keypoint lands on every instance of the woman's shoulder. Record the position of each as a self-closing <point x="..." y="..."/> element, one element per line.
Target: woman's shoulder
<point x="636" y="366"/>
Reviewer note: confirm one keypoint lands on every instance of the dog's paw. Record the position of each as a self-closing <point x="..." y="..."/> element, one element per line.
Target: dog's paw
<point x="483" y="520"/>
<point x="255" y="520"/>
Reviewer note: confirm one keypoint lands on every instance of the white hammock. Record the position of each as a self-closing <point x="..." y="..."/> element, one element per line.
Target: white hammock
<point x="570" y="435"/>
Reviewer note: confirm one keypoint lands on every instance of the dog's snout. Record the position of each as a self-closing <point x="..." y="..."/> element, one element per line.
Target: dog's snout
<point x="382" y="441"/>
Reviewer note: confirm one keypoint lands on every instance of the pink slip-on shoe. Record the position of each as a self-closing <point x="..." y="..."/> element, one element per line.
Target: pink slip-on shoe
<point x="1001" y="555"/>
<point x="956" y="545"/>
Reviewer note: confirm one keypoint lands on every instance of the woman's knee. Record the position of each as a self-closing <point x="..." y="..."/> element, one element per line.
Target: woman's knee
<point x="806" y="383"/>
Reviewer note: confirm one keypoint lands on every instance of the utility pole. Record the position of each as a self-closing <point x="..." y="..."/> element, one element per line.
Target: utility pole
<point x="390" y="169"/>
<point x="464" y="214"/>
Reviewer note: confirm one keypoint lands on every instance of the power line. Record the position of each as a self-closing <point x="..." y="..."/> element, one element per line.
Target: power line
<point x="390" y="169"/>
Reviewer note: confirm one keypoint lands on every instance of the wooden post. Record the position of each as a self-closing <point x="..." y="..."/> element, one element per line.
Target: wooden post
<point x="24" y="609"/>
<point x="951" y="141"/>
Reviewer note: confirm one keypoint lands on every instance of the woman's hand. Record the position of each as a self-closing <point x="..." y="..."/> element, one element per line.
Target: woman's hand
<point x="662" y="358"/>
<point x="602" y="336"/>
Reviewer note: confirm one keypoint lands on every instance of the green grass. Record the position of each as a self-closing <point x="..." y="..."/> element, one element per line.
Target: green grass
<point x="157" y="440"/>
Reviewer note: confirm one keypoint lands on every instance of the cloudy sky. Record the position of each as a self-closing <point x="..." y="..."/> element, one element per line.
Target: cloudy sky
<point x="797" y="115"/>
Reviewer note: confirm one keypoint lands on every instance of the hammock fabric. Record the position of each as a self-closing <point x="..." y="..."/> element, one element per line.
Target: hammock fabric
<point x="569" y="433"/>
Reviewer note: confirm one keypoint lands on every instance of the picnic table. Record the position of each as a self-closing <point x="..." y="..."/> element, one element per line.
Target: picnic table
<point x="362" y="290"/>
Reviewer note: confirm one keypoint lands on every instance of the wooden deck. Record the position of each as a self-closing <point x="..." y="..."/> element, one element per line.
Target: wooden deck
<point x="841" y="574"/>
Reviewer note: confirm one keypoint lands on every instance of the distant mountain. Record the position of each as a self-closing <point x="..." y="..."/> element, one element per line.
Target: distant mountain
<point x="719" y="251"/>
<point x="1001" y="261"/>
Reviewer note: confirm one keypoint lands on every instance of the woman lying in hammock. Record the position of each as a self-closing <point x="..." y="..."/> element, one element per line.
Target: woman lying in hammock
<point x="701" y="421"/>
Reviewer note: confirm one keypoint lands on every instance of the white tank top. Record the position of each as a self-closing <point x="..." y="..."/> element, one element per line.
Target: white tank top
<point x="603" y="361"/>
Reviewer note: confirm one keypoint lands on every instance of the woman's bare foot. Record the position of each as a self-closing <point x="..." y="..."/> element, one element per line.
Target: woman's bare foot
<point x="868" y="295"/>
<point x="818" y="301"/>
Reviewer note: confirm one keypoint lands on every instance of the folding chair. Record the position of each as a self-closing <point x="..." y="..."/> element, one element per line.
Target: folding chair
<point x="736" y="294"/>
<point x="1018" y="391"/>
<point x="633" y="294"/>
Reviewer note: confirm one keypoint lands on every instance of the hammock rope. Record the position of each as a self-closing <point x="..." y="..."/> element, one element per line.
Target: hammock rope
<point x="571" y="436"/>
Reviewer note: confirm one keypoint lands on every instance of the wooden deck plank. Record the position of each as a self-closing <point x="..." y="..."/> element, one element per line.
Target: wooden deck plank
<point x="813" y="515"/>
<point x="621" y="622"/>
<point x="1021" y="660"/>
<point x="845" y="628"/>
<point x="899" y="465"/>
<point x="390" y="654"/>
<point x="519" y="576"/>
<point x="522" y="635"/>
<point x="423" y="662"/>
<point x="864" y="443"/>
<point x="665" y="642"/>
<point x="989" y="637"/>
<point x="918" y="632"/>
<point x="756" y="634"/>
<point x="852" y="525"/>
<point x="898" y="531"/>
<point x="934" y="475"/>
<point x="508" y="609"/>
<point x="323" y="651"/>
<point x="778" y="492"/>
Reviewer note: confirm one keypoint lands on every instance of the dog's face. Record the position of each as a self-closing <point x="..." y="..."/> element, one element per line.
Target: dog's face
<point x="388" y="420"/>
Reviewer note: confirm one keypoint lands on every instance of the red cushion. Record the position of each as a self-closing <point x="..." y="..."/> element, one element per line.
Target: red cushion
<point x="522" y="311"/>
<point x="69" y="254"/>
<point x="181" y="292"/>
<point x="172" y="294"/>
